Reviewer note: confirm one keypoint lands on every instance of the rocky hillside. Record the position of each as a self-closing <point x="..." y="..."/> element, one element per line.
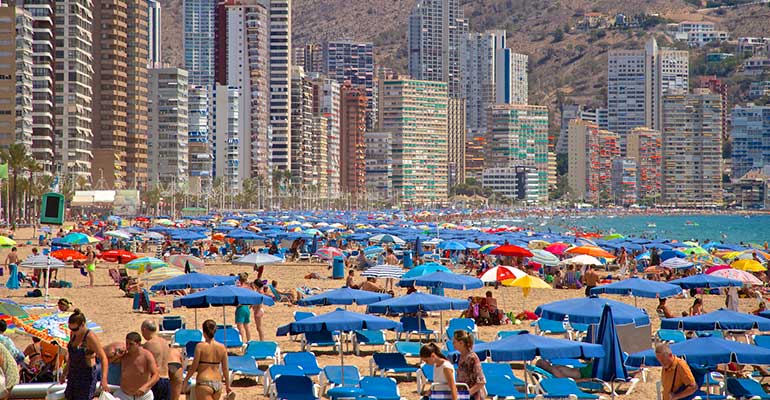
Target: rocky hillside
<point x="564" y="61"/>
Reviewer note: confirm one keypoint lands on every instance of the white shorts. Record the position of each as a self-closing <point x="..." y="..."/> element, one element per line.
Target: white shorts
<point x="122" y="396"/>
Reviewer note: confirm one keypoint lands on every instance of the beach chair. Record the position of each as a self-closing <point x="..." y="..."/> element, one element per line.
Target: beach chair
<point x="291" y="387"/>
<point x="278" y="296"/>
<point x="413" y="326"/>
<point x="244" y="366"/>
<point x="633" y="371"/>
<point x="115" y="275"/>
<point x="493" y="371"/>
<point x="461" y="324"/>
<point x="261" y="351"/>
<point x="670" y="336"/>
<point x="744" y="388"/>
<point x="183" y="336"/>
<point x="380" y="388"/>
<point x="277" y="370"/>
<point x="505" y="334"/>
<point x="762" y="341"/>
<point x="716" y="334"/>
<point x="229" y="336"/>
<point x="332" y="376"/>
<point x="150" y="306"/>
<point x="563" y="388"/>
<point x="393" y="363"/>
<point x="303" y="359"/>
<point x="320" y="339"/>
<point x="170" y="324"/>
<point x="502" y="387"/>
<point x="369" y="337"/>
<point x="408" y="349"/>
<point x="189" y="349"/>
<point x="299" y="316"/>
<point x="424" y="377"/>
<point x="549" y="327"/>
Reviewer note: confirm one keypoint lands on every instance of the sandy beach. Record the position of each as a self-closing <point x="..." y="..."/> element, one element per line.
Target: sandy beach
<point x="106" y="305"/>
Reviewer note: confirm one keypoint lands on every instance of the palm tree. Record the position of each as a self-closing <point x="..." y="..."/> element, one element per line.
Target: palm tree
<point x="18" y="160"/>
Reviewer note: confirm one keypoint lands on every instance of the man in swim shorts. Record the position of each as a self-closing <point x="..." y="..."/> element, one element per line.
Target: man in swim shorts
<point x="138" y="371"/>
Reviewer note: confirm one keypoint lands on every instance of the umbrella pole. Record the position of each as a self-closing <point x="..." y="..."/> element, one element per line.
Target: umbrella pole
<point x="526" y="381"/>
<point x="224" y="322"/>
<point x="342" y="360"/>
<point x="47" y="278"/>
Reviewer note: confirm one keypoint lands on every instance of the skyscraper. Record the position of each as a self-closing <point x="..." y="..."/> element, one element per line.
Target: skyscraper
<point x="436" y="30"/>
<point x="379" y="165"/>
<point x="692" y="149"/>
<point x="320" y="156"/>
<point x="591" y="152"/>
<point x="346" y="60"/>
<point x="15" y="76"/>
<point x="511" y="77"/>
<point x="518" y="137"/>
<point x="643" y="145"/>
<point x="419" y="145"/>
<point x="326" y="104"/>
<point x="479" y="51"/>
<point x="154" y="36"/>
<point x="717" y="86"/>
<point x="200" y="142"/>
<point x="224" y="120"/>
<point x="637" y="81"/>
<point x="120" y="93"/>
<point x="455" y="142"/>
<point x="309" y="57"/>
<point x="751" y="138"/>
<point x="73" y="89"/>
<point x="199" y="31"/>
<point x="24" y="73"/>
<point x="168" y="127"/>
<point x="301" y="129"/>
<point x="279" y="15"/>
<point x="353" y="103"/>
<point x="624" y="182"/>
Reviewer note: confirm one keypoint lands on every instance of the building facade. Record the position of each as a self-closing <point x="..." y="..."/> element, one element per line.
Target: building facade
<point x="280" y="73"/>
<point x="224" y="123"/>
<point x="479" y="51"/>
<point x="353" y="105"/>
<point x="416" y="113"/>
<point x="15" y="76"/>
<point x="518" y="137"/>
<point x="643" y="146"/>
<point x="692" y="150"/>
<point x="456" y="142"/>
<point x="512" y="78"/>
<point x="199" y="24"/>
<point x="624" y="184"/>
<point x="200" y="144"/>
<point x="154" y="38"/>
<point x="301" y="129"/>
<point x="519" y="183"/>
<point x="751" y="138"/>
<point x="379" y="166"/>
<point x="326" y="104"/>
<point x="591" y="153"/>
<point x="347" y="60"/>
<point x="168" y="128"/>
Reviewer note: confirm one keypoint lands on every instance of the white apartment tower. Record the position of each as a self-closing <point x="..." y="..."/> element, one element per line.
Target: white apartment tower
<point x="154" y="37"/>
<point x="279" y="39"/>
<point x="167" y="147"/>
<point x="223" y="127"/>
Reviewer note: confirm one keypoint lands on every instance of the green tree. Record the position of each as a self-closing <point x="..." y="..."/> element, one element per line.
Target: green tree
<point x="151" y="198"/>
<point x="18" y="161"/>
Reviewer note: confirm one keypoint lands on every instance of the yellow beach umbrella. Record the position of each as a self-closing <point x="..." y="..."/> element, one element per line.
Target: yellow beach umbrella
<point x="6" y="241"/>
<point x="526" y="283"/>
<point x="538" y="244"/>
<point x="748" y="265"/>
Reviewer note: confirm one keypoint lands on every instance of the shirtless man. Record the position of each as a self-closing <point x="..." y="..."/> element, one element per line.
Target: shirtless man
<point x="12" y="258"/>
<point x="159" y="348"/>
<point x="591" y="278"/>
<point x="138" y="371"/>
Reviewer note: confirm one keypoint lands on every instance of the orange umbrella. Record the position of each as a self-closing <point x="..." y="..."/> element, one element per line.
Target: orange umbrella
<point x="118" y="256"/>
<point x="218" y="236"/>
<point x="68" y="255"/>
<point x="591" y="251"/>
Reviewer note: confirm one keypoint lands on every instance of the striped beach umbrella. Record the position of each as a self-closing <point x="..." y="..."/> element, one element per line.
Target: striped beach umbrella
<point x="384" y="271"/>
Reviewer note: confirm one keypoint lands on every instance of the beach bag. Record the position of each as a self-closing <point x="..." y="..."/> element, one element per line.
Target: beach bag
<point x="107" y="396"/>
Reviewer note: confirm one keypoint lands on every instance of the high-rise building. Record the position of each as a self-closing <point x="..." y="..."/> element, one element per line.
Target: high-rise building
<point x="347" y="60"/>
<point x="379" y="166"/>
<point x="120" y="94"/>
<point x="751" y="138"/>
<point x="199" y="31"/>
<point x="456" y="141"/>
<point x="309" y="57"/>
<point x="436" y="30"/>
<point x="519" y="183"/>
<point x="636" y="82"/>
<point x="518" y="137"/>
<point x="624" y="184"/>
<point x="224" y="122"/>
<point x="415" y="112"/>
<point x="717" y="86"/>
<point x="200" y="143"/>
<point x="280" y="75"/>
<point x="591" y="151"/>
<point x="478" y="76"/>
<point x="326" y="104"/>
<point x="319" y="182"/>
<point x="168" y="128"/>
<point x="43" y="79"/>
<point x="154" y="34"/>
<point x="643" y="146"/>
<point x="301" y="128"/>
<point x="353" y="103"/>
<point x="692" y="149"/>
<point x="73" y="88"/>
<point x="512" y="79"/>
<point x="474" y="157"/>
<point x="242" y="55"/>
<point x="568" y="113"/>
<point x="15" y="76"/>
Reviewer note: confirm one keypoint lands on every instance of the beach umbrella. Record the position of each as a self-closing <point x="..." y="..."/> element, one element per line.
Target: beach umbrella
<point x="119" y="256"/>
<point x="667" y="254"/>
<point x="194" y="280"/>
<point x="242" y="234"/>
<point x="707" y="351"/>
<point x="557" y="248"/>
<point x="545" y="258"/>
<point x="6" y="241"/>
<point x="471" y="245"/>
<point x="526" y="283"/>
<point x="611" y="367"/>
<point x="485" y="249"/>
<point x="748" y="265"/>
<point x="704" y="281"/>
<point x="501" y="273"/>
<point x="152" y="236"/>
<point x="696" y="250"/>
<point x="581" y="260"/>
<point x="451" y="245"/>
<point x="384" y="271"/>
<point x="160" y="274"/>
<point x="45" y="263"/>
<point x="588" y="310"/>
<point x="258" y="259"/>
<point x="328" y="253"/>
<point x="416" y="302"/>
<point x="76" y="238"/>
<point x="613" y="236"/>
<point x="141" y="264"/>
<point x="118" y="235"/>
<point x="705" y="259"/>
<point x="538" y="244"/>
<point x="721" y="319"/>
<point x="373" y="250"/>
<point x="418" y="246"/>
<point x="590" y="251"/>
<point x="68" y="255"/>
<point x="509" y="250"/>
<point x="344" y="296"/>
<point x="676" y="263"/>
<point x="638" y="287"/>
<point x="187" y="235"/>
<point x="715" y="268"/>
<point x="445" y="280"/>
<point x="181" y="260"/>
<point x="425" y="269"/>
<point x="385" y="238"/>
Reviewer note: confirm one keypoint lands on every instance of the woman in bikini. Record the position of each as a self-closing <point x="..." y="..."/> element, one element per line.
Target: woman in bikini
<point x="80" y="369"/>
<point x="176" y="364"/>
<point x="210" y="356"/>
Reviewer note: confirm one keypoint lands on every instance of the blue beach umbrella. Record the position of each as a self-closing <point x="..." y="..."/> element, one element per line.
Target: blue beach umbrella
<point x="418" y="247"/>
<point x="425" y="269"/>
<point x="343" y="296"/>
<point x="193" y="280"/>
<point x="446" y="280"/>
<point x="638" y="287"/>
<point x="707" y="351"/>
<point x="610" y="367"/>
<point x="721" y="319"/>
<point x="186" y="235"/>
<point x="705" y="281"/>
<point x="588" y="310"/>
<point x="526" y="347"/>
<point x="451" y="245"/>
<point x="75" y="238"/>
<point x="665" y="255"/>
<point x="242" y="234"/>
<point x="416" y="302"/>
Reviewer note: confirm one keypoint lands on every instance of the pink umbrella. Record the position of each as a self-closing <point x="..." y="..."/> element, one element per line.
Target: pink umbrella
<point x="738" y="275"/>
<point x="557" y="248"/>
<point x="328" y="253"/>
<point x="179" y="260"/>
<point x="717" y="268"/>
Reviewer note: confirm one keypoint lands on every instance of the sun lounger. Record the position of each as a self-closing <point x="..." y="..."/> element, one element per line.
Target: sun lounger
<point x="671" y="336"/>
<point x="260" y="351"/>
<point x="369" y="337"/>
<point x="189" y="348"/>
<point x="745" y="388"/>
<point x="380" y="388"/>
<point x="332" y="376"/>
<point x="563" y="388"/>
<point x="413" y="326"/>
<point x="549" y="327"/>
<point x="394" y="363"/>
<point x="229" y="336"/>
<point x="319" y="339"/>
<point x="303" y="359"/>
<point x="244" y="366"/>
<point x="505" y="334"/>
<point x="183" y="336"/>
<point x="277" y="370"/>
<point x="290" y="387"/>
<point x="460" y="324"/>
<point x="408" y="349"/>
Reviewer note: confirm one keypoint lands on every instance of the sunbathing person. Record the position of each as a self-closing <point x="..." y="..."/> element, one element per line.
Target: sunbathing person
<point x="293" y="295"/>
<point x="562" y="371"/>
<point x="371" y="286"/>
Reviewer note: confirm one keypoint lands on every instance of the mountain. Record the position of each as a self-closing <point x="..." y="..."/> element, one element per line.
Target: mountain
<point x="565" y="62"/>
